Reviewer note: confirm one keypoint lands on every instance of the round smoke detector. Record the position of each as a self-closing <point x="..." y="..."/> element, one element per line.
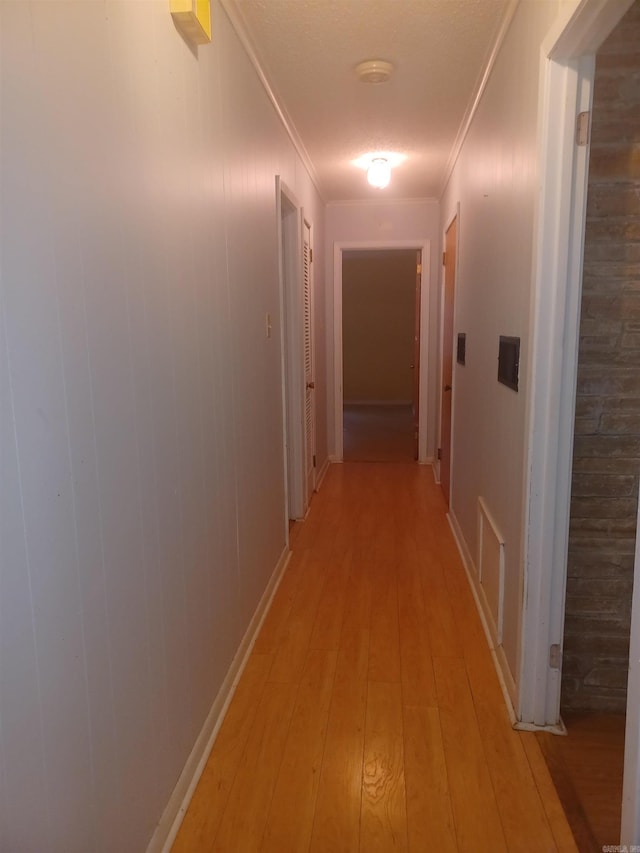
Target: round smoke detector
<point x="374" y="71"/>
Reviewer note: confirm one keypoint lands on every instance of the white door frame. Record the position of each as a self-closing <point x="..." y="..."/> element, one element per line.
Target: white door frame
<point x="552" y="382"/>
<point x="310" y="482"/>
<point x="439" y="391"/>
<point x="424" y="246"/>
<point x="289" y="234"/>
<point x="567" y="71"/>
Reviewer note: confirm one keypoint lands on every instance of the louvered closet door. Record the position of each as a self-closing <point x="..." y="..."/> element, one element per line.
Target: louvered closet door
<point x="309" y="398"/>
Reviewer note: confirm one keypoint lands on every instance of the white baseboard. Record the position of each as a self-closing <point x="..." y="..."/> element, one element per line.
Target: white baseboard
<point x="377" y="403"/>
<point x="322" y="474"/>
<point x="507" y="684"/>
<point x="558" y="729"/>
<point x="175" y="810"/>
<point x="436" y="472"/>
<point x="335" y="460"/>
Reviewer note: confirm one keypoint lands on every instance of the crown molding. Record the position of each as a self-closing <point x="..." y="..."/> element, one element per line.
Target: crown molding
<point x="236" y="19"/>
<point x="381" y="202"/>
<point x="474" y="103"/>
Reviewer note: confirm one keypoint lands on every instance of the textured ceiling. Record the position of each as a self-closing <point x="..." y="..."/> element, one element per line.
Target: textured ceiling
<point x="308" y="50"/>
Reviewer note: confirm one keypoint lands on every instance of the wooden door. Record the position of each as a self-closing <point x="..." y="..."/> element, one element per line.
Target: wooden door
<point x="309" y="382"/>
<point x="447" y="357"/>
<point x="416" y="355"/>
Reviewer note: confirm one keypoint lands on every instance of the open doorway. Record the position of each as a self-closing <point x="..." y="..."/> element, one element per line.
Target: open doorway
<point x="606" y="447"/>
<point x="292" y="325"/>
<point x="591" y="537"/>
<point x="446" y="400"/>
<point x="381" y="354"/>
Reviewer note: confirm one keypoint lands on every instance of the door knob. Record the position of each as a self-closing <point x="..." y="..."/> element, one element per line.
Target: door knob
<point x="412" y="366"/>
<point x="311" y="385"/>
<point x="447" y="387"/>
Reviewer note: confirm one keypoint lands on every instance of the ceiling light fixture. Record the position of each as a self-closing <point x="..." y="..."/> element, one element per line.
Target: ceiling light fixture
<point x="374" y="71"/>
<point x="379" y="172"/>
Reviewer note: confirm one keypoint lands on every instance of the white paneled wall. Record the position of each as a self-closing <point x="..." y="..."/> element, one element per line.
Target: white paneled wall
<point x="141" y="468"/>
<point x="495" y="183"/>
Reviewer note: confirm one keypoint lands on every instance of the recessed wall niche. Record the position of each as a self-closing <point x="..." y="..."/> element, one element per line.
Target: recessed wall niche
<point x="509" y="361"/>
<point x="461" y="351"/>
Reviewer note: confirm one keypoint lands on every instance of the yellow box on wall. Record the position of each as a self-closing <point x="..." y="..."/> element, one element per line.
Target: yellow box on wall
<point x="193" y="19"/>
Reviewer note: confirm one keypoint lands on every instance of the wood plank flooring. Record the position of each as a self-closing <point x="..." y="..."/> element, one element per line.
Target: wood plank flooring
<point x="587" y="768"/>
<point x="369" y="716"/>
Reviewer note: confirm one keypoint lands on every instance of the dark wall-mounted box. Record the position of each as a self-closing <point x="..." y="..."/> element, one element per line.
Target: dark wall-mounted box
<point x="461" y="352"/>
<point x="509" y="361"/>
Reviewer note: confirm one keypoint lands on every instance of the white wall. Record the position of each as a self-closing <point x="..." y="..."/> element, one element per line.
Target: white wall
<point x="378" y="326"/>
<point x="141" y="471"/>
<point x="495" y="183"/>
<point x="383" y="223"/>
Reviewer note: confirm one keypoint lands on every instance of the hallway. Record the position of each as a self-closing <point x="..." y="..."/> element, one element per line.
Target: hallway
<point x="369" y="716"/>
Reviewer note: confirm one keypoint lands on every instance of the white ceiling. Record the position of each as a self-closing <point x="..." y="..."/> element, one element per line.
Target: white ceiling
<point x="308" y="50"/>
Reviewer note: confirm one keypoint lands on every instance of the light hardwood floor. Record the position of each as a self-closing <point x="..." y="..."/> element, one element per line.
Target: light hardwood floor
<point x="369" y="716"/>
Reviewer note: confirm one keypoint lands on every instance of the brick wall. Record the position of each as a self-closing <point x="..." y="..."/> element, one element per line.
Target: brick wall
<point x="606" y="459"/>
